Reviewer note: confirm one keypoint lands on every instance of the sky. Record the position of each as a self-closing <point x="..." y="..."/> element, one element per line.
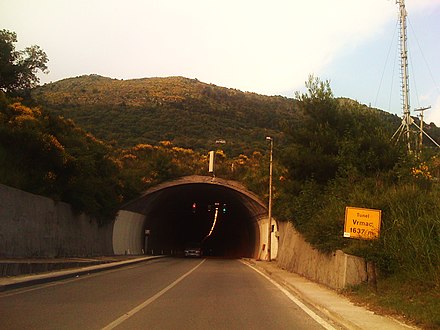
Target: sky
<point x="266" y="47"/>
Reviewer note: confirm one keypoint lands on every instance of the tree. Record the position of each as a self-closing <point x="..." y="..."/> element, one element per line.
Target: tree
<point x="311" y="150"/>
<point x="18" y="69"/>
<point x="336" y="137"/>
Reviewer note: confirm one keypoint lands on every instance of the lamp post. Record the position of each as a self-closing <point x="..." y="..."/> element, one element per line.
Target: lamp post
<point x="269" y="226"/>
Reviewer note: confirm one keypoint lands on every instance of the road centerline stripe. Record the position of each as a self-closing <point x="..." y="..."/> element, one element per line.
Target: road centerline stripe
<point x="138" y="308"/>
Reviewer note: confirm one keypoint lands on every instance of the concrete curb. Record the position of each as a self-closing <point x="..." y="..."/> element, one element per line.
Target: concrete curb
<point x="29" y="280"/>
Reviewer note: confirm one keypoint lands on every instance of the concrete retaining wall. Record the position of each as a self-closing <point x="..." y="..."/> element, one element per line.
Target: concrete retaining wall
<point x="336" y="270"/>
<point x="36" y="226"/>
<point x="128" y="233"/>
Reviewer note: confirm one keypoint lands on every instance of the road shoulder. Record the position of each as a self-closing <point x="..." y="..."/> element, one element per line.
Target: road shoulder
<point x="330" y="303"/>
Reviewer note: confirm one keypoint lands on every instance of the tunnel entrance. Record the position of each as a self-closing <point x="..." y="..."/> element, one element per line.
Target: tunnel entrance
<point x="219" y="215"/>
<point x="201" y="214"/>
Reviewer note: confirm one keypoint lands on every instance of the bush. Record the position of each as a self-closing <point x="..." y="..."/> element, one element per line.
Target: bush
<point x="52" y="157"/>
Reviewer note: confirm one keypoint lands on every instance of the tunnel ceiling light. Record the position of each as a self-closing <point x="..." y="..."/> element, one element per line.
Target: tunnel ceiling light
<point x="213" y="225"/>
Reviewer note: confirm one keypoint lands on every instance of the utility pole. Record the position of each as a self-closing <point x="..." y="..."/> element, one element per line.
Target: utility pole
<point x="421" y="131"/>
<point x="420" y="144"/>
<point x="269" y="226"/>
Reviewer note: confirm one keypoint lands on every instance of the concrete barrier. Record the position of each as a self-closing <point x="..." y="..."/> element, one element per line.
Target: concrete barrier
<point x="36" y="226"/>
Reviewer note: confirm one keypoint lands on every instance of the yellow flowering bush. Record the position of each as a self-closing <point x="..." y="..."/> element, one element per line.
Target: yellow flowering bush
<point x="421" y="173"/>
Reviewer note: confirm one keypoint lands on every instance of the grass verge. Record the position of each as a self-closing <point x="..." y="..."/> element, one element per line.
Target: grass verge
<point x="411" y="301"/>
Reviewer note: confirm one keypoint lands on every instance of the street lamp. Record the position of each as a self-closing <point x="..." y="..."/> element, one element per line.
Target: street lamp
<point x="269" y="226"/>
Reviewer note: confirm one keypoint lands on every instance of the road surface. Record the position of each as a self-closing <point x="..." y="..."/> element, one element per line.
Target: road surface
<point x="168" y="293"/>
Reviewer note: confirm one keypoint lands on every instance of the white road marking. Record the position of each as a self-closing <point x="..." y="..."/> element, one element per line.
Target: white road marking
<point x="301" y="305"/>
<point x="138" y="308"/>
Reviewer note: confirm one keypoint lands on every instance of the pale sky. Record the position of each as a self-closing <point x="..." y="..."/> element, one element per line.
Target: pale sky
<point x="267" y="47"/>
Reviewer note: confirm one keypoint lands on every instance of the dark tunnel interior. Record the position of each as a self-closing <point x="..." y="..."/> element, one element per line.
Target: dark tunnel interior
<point x="212" y="216"/>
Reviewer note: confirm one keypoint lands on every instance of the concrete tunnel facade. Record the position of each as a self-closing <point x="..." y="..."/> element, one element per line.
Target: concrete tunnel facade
<point x="172" y="215"/>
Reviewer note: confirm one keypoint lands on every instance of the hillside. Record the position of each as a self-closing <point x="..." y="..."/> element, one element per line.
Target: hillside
<point x="189" y="113"/>
<point x="186" y="112"/>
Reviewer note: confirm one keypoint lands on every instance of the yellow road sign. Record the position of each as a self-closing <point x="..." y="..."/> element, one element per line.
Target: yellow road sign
<point x="362" y="223"/>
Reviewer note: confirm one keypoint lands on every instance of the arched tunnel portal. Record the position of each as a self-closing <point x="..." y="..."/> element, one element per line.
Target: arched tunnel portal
<point x="221" y="215"/>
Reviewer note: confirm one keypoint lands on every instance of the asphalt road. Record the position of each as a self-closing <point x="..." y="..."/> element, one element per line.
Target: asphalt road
<point x="160" y="294"/>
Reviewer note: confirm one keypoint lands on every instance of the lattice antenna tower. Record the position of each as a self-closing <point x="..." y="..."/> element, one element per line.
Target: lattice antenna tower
<point x="407" y="121"/>
<point x="405" y="127"/>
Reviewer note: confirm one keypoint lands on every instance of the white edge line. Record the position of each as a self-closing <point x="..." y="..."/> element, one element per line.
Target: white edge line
<point x="301" y="305"/>
<point x="138" y="308"/>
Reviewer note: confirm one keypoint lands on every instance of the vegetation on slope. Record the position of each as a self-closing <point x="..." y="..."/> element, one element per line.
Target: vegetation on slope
<point x="184" y="111"/>
<point x="341" y="156"/>
<point x="49" y="156"/>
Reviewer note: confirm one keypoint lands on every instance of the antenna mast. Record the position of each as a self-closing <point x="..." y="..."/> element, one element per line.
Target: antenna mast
<point x="406" y="120"/>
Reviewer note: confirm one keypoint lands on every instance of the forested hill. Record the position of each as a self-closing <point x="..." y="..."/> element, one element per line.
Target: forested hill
<point x="187" y="112"/>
